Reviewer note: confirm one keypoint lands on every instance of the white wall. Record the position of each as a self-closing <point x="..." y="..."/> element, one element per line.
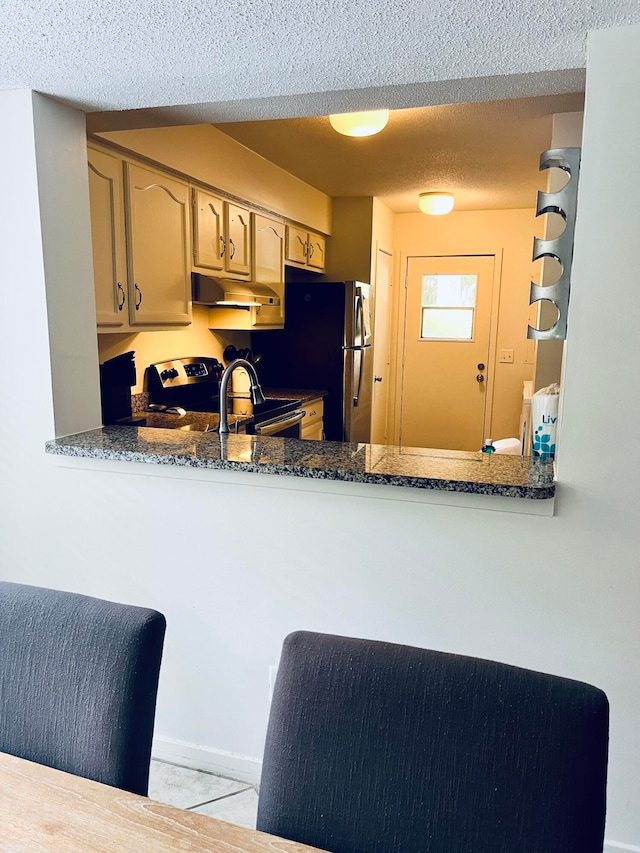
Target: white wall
<point x="235" y="566"/>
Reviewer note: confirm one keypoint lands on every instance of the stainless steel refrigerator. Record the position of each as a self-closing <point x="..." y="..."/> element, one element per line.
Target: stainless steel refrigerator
<point x="326" y="345"/>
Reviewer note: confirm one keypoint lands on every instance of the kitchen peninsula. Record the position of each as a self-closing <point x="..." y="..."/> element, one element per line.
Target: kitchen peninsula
<point x="416" y="468"/>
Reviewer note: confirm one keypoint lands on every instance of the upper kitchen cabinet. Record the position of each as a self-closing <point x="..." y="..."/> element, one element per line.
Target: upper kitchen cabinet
<point x="305" y="249"/>
<point x="158" y="241"/>
<point x="221" y="236"/>
<point x="106" y="194"/>
<point x="265" y="293"/>
<point x="238" y="226"/>
<point x="139" y="234"/>
<point x="268" y="245"/>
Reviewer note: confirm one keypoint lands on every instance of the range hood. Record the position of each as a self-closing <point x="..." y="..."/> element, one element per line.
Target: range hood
<point x="225" y="293"/>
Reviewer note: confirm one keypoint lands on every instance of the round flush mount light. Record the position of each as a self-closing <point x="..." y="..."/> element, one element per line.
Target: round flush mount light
<point x="436" y="204"/>
<point x="360" y="124"/>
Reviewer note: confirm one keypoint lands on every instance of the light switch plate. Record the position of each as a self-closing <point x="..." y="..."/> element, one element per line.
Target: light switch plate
<point x="506" y="356"/>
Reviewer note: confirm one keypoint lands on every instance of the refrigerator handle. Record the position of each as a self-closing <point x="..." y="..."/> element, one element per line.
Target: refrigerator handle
<point x="357" y="395"/>
<point x="359" y="330"/>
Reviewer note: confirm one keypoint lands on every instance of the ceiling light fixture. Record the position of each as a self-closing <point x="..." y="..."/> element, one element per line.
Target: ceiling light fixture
<point x="436" y="204"/>
<point x="360" y="124"/>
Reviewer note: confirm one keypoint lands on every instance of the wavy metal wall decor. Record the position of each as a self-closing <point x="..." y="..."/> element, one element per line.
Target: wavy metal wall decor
<point x="563" y="202"/>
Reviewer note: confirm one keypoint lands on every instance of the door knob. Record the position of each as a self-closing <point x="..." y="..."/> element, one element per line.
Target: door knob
<point x="480" y="377"/>
<point x="481" y="366"/>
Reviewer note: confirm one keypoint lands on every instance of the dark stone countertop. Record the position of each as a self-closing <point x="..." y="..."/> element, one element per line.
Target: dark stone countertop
<point x="420" y="468"/>
<point x="305" y="396"/>
<point x="191" y="421"/>
<point x="208" y="421"/>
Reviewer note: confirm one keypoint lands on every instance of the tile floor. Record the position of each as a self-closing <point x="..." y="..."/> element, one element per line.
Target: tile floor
<point x="235" y="802"/>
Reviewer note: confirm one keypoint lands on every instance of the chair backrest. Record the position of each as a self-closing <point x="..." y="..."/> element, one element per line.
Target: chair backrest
<point x="379" y="748"/>
<point x="78" y="683"/>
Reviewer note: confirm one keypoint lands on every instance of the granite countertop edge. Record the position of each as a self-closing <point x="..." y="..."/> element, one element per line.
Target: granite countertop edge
<point x="83" y="445"/>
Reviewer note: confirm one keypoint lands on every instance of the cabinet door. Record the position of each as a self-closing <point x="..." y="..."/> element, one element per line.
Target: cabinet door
<point x="312" y="423"/>
<point x="158" y="239"/>
<point x="108" y="240"/>
<point x="208" y="237"/>
<point x="316" y="252"/>
<point x="268" y="251"/>
<point x="312" y="432"/>
<point x="238" y="232"/>
<point x="296" y="245"/>
<point x="268" y="266"/>
<point x="314" y="411"/>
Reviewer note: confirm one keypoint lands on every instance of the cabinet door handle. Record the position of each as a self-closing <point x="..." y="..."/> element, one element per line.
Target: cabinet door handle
<point x="121" y="293"/>
<point x="138" y="296"/>
<point x="310" y="253"/>
<point x="223" y="246"/>
<point x="233" y="248"/>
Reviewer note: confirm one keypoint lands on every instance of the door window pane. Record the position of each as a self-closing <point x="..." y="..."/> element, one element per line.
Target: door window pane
<point x="447" y="323"/>
<point x="448" y="307"/>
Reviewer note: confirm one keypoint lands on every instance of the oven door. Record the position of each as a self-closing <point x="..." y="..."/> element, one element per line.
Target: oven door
<point x="285" y="426"/>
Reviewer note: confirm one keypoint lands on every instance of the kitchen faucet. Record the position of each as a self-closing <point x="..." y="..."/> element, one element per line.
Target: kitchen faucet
<point x="256" y="391"/>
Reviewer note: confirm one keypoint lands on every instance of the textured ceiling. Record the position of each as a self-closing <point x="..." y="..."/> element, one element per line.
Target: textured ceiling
<point x="125" y="54"/>
<point x="144" y="63"/>
<point x="487" y="154"/>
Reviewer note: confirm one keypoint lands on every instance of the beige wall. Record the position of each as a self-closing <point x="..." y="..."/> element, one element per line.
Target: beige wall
<point x="383" y="225"/>
<point x="210" y="156"/>
<point x="150" y="347"/>
<point x="361" y="225"/>
<point x="349" y="249"/>
<point x="506" y="233"/>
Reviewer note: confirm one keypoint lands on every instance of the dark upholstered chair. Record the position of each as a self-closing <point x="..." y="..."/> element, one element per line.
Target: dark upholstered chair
<point x="78" y="683"/>
<point x="380" y="748"/>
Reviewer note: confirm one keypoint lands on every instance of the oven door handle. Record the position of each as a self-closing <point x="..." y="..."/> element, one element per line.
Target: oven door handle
<point x="278" y="424"/>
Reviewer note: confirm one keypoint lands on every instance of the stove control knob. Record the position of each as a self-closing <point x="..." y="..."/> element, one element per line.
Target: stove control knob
<point x="170" y="373"/>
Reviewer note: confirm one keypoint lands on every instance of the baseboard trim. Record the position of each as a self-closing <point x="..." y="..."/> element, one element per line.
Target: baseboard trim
<point x="238" y="767"/>
<point x="618" y="846"/>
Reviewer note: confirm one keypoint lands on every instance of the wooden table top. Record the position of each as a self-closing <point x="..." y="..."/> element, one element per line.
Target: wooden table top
<point x="42" y="809"/>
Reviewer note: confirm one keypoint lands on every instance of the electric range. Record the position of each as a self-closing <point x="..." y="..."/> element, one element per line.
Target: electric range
<point x="192" y="384"/>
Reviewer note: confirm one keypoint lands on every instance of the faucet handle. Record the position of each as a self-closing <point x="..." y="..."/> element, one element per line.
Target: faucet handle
<point x="257" y="396"/>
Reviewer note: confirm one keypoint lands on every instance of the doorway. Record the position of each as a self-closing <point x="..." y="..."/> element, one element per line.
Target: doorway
<point x="382" y="349"/>
<point x="445" y="356"/>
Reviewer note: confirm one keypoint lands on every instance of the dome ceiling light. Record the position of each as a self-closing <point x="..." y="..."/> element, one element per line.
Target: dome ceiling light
<point x="436" y="204"/>
<point x="360" y="124"/>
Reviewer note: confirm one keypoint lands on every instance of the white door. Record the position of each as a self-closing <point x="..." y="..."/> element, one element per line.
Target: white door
<point x="381" y="350"/>
<point x="446" y="351"/>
